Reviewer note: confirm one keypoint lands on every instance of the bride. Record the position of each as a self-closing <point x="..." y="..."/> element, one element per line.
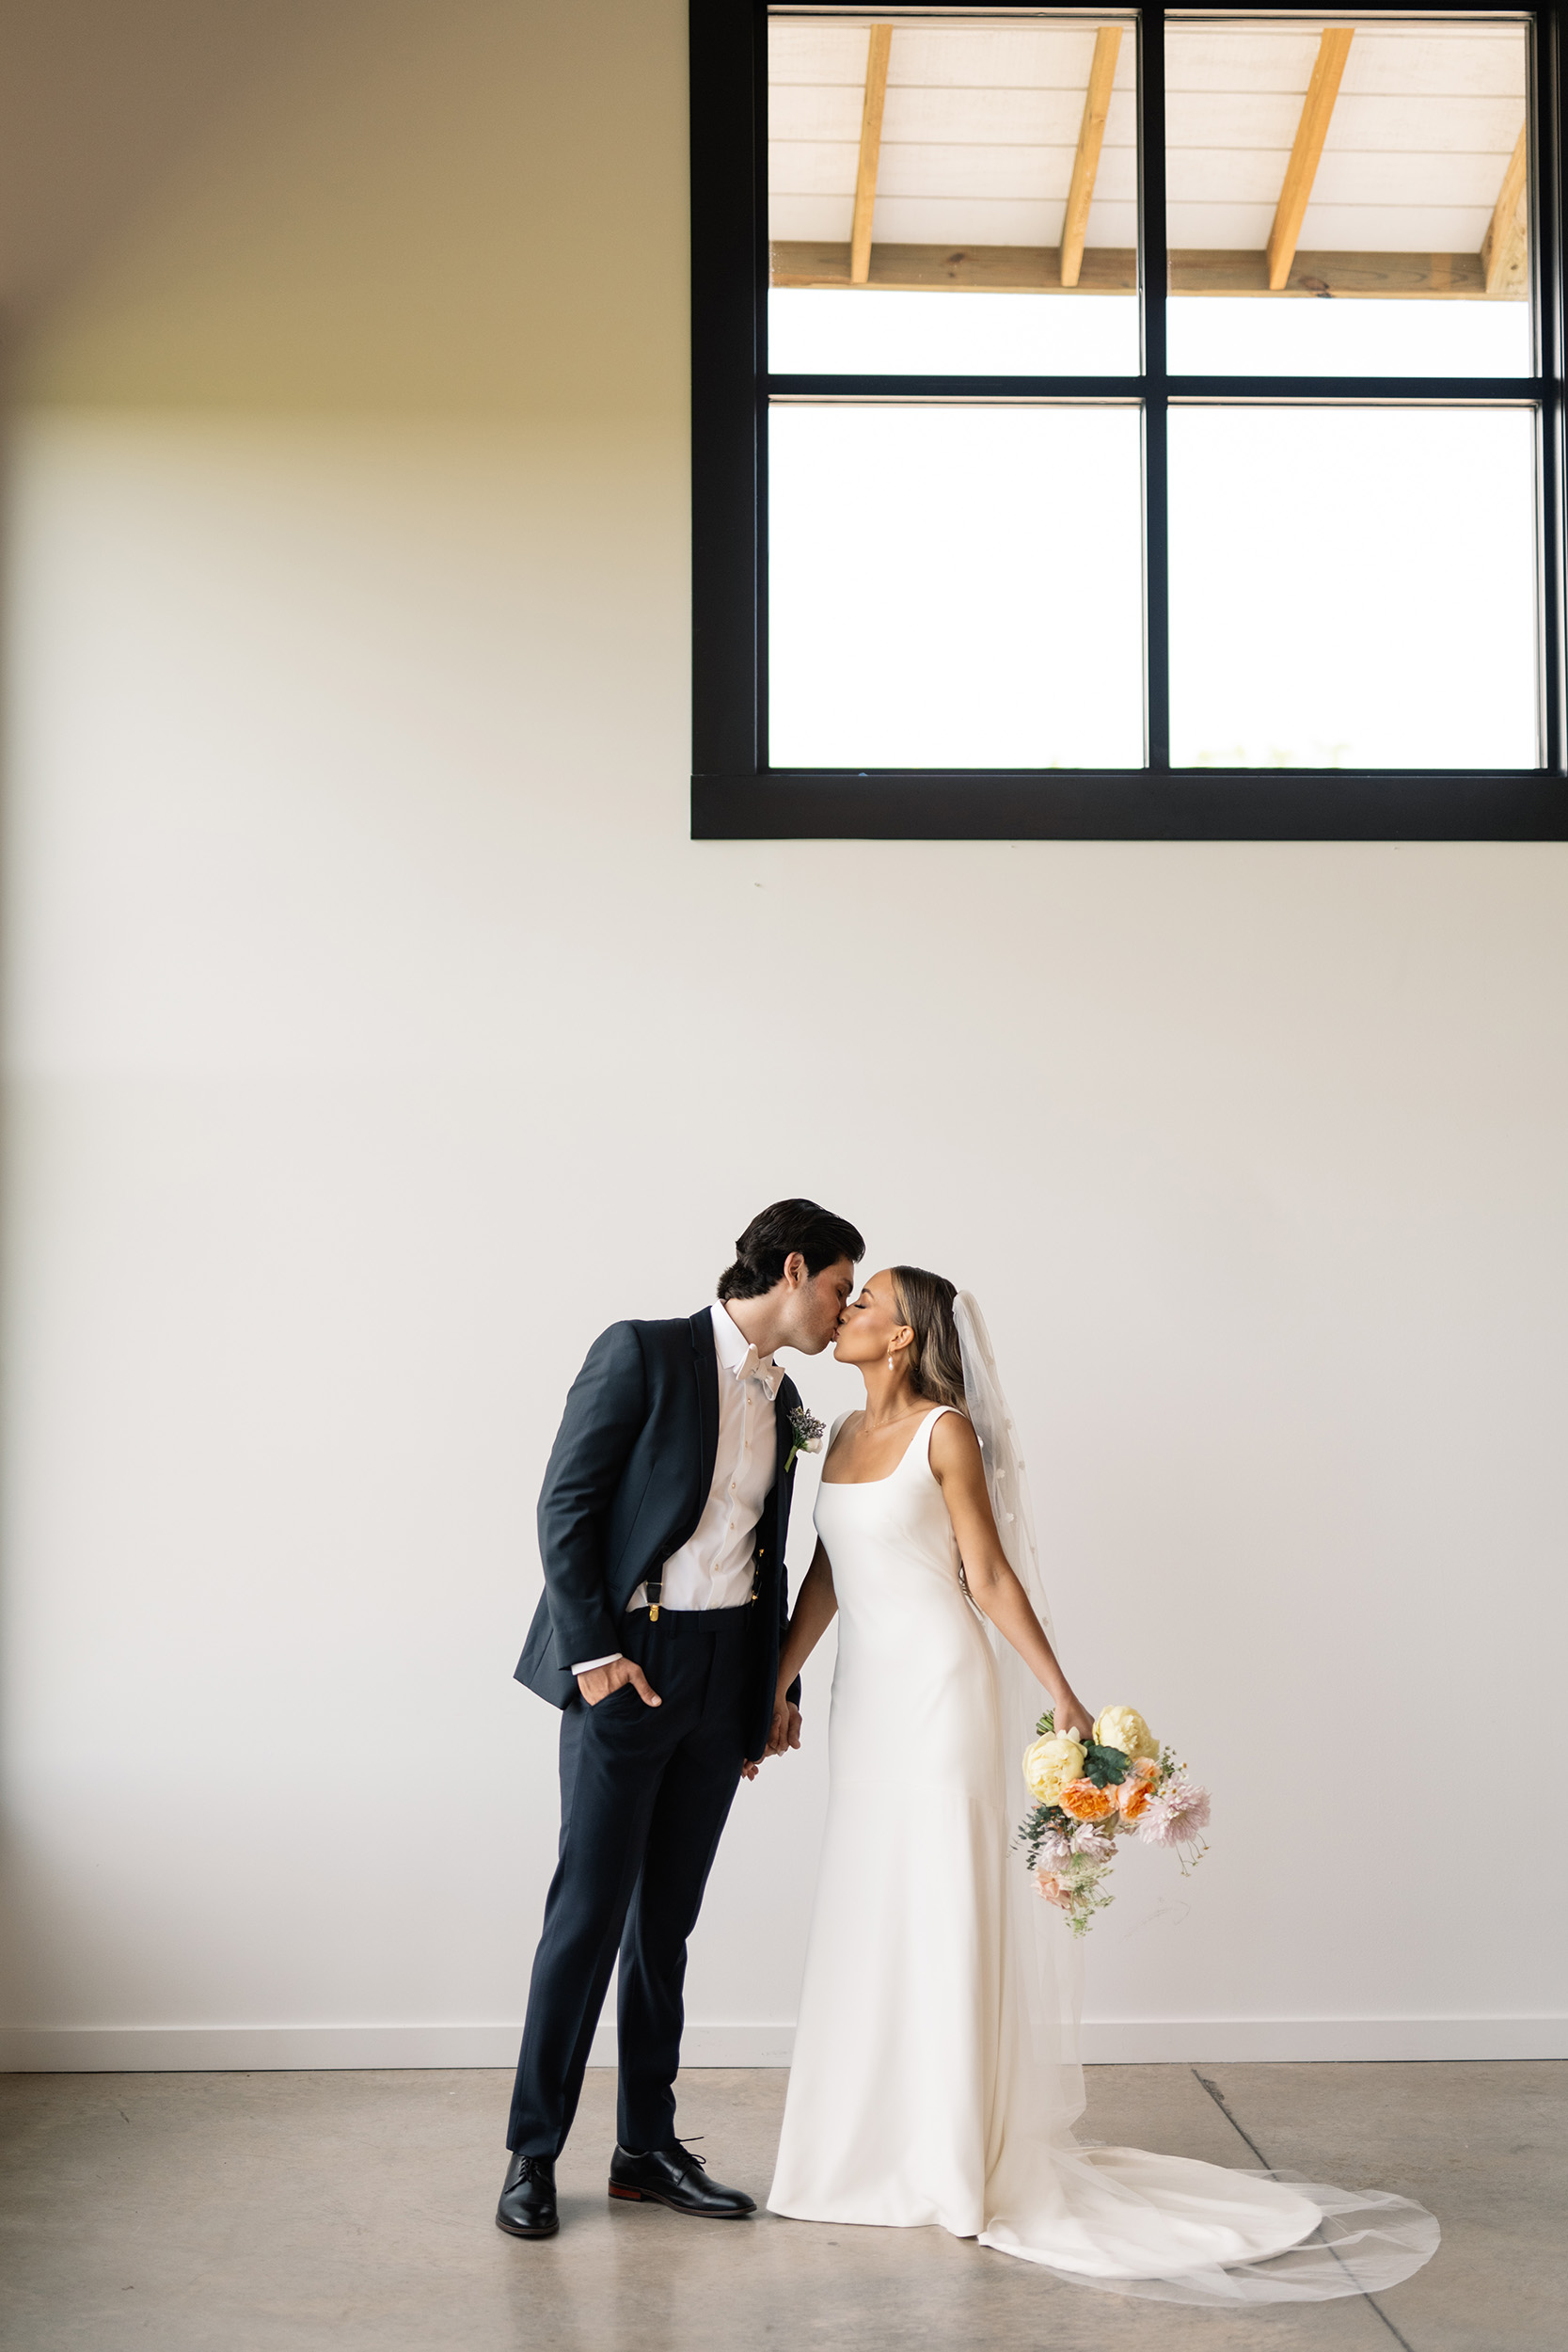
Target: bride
<point x="935" y="2078"/>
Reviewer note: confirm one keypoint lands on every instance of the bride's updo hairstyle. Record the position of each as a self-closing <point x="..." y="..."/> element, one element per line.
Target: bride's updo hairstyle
<point x="936" y="1361"/>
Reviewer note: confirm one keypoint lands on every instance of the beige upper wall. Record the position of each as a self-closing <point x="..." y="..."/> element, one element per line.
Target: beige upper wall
<point x="348" y="205"/>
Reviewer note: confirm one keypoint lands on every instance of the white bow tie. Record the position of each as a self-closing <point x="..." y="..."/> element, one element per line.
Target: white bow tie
<point x="768" y="1374"/>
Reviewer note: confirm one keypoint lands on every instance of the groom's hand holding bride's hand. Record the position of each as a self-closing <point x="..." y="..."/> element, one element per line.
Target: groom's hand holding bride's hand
<point x="600" y="1680"/>
<point x="785" y="1731"/>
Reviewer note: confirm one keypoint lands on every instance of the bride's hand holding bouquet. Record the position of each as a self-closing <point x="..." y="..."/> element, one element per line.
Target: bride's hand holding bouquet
<point x="1075" y="1720"/>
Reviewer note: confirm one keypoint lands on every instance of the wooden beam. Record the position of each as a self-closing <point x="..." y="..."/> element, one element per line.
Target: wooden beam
<point x="871" y="149"/>
<point x="936" y="268"/>
<point x="1502" y="249"/>
<point x="1316" y="114"/>
<point x="1091" y="134"/>
<point x="1110" y="270"/>
<point x="1343" y="277"/>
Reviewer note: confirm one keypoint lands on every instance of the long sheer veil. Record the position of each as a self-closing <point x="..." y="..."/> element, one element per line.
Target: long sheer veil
<point x="1047" y="1961"/>
<point x="1065" y="2203"/>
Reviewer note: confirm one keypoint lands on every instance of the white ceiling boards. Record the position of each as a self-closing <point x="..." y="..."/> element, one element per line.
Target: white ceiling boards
<point x="979" y="131"/>
<point x="980" y="134"/>
<point x="1305" y="155"/>
<point x="1414" y="149"/>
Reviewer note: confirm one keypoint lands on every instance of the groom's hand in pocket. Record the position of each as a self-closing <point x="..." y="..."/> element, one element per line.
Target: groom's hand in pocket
<point x="600" y="1680"/>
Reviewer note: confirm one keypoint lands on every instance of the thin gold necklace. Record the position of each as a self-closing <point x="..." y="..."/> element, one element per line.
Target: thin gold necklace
<point x="875" y="1427"/>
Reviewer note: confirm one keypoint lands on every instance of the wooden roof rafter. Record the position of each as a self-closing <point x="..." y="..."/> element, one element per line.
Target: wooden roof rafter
<point x="1317" y="112"/>
<point x="1086" y="163"/>
<point x="879" y="51"/>
<point x="1502" y="249"/>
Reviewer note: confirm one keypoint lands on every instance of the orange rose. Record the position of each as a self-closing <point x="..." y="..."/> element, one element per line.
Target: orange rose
<point x="1135" y="1793"/>
<point x="1085" y="1803"/>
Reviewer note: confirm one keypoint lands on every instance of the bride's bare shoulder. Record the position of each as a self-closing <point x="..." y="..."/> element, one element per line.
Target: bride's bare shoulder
<point x="954" y="1444"/>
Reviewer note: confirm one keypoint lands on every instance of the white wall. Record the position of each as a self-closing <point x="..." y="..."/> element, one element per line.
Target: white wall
<point x="375" y="1034"/>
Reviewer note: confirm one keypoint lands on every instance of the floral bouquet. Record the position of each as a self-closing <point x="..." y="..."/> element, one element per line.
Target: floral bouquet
<point x="1089" y="1793"/>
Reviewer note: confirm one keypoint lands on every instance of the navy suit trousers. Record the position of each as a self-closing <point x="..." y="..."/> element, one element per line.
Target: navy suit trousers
<point x="644" y="1795"/>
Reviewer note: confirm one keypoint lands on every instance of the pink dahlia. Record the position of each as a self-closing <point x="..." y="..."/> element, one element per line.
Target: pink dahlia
<point x="1096" y="1844"/>
<point x="1176" y="1816"/>
<point x="1051" y="1887"/>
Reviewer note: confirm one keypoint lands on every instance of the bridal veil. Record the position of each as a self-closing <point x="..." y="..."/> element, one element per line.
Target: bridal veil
<point x="1128" y="2220"/>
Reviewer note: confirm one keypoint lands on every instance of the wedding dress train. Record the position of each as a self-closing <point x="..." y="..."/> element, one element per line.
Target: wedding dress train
<point x="935" y="2076"/>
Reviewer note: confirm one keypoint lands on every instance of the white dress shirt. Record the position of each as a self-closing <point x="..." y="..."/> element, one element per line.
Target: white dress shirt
<point x="713" y="1570"/>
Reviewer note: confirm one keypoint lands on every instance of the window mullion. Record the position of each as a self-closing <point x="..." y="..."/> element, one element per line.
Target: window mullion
<point x="1545" y="219"/>
<point x="1152" y="276"/>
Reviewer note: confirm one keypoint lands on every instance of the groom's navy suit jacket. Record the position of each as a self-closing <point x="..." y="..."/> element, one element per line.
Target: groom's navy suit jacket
<point x="626" y="1483"/>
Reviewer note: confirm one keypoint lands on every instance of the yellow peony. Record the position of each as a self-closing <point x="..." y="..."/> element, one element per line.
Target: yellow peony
<point x="1123" y="1727"/>
<point x="1050" y="1765"/>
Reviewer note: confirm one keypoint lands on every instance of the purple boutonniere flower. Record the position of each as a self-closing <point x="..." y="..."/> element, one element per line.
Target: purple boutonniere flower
<point x="808" y="1436"/>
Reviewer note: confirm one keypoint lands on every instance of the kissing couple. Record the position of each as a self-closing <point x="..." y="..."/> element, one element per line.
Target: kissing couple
<point x="935" y="2076"/>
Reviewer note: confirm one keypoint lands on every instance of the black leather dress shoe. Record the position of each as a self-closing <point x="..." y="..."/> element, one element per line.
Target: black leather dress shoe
<point x="675" y="2177"/>
<point x="527" y="2208"/>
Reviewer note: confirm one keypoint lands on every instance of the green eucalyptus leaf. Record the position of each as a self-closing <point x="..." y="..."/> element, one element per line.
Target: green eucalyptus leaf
<point x="1105" y="1767"/>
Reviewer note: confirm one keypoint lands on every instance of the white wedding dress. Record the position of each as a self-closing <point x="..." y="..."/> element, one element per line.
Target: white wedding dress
<point x="935" y="2079"/>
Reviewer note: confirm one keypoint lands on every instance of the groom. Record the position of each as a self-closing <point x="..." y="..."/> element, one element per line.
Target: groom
<point x="661" y="1526"/>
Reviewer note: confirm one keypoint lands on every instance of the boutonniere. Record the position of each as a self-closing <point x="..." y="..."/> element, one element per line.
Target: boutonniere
<point x="808" y="1436"/>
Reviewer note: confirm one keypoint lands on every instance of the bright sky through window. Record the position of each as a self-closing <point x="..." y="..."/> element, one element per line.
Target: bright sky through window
<point x="1328" y="611"/>
<point x="985" y="571"/>
<point x="955" y="587"/>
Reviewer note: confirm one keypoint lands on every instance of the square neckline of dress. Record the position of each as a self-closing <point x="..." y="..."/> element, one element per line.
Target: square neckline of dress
<point x="826" y="1480"/>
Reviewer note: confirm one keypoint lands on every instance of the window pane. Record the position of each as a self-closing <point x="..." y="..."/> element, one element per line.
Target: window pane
<point x="955" y="587"/>
<point x="1347" y="199"/>
<point x="1352" y="587"/>
<point x="952" y="199"/>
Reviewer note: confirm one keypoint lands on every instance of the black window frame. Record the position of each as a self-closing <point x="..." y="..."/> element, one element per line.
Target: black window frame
<point x="736" y="795"/>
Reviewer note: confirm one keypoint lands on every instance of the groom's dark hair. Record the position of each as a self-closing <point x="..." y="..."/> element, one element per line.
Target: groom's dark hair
<point x="822" y="1238"/>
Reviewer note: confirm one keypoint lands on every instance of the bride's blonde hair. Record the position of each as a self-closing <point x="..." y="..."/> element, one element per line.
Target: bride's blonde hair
<point x="936" y="1360"/>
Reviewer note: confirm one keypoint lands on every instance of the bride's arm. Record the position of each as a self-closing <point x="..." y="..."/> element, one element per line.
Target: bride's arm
<point x="816" y="1607"/>
<point x="960" y="1472"/>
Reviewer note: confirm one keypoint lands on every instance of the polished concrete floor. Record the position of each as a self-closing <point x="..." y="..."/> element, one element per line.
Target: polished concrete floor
<point x="352" y="2213"/>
